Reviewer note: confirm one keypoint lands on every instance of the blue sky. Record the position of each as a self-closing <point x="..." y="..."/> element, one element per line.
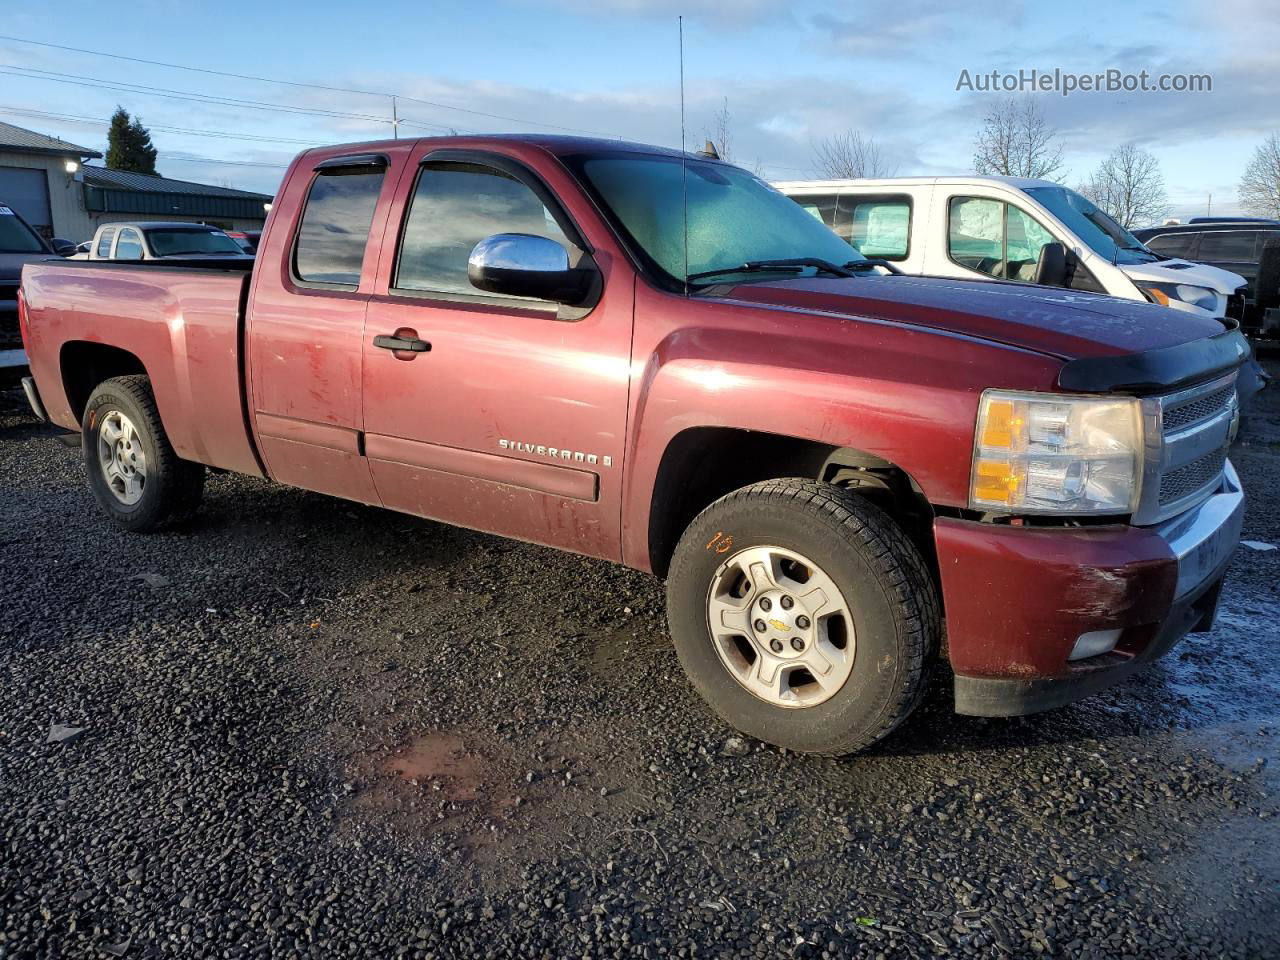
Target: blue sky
<point x="791" y="72"/>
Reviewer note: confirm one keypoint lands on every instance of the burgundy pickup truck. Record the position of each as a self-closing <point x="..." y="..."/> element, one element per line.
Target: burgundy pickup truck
<point x="844" y="475"/>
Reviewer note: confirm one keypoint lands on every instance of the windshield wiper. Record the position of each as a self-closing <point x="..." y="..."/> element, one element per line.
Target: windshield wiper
<point x="790" y="264"/>
<point x="871" y="262"/>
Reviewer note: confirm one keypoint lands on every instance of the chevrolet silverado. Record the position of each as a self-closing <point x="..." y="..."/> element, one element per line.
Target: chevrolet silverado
<point x="847" y="477"/>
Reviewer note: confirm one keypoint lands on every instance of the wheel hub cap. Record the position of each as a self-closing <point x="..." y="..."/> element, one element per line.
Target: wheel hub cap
<point x="121" y="458"/>
<point x="781" y="626"/>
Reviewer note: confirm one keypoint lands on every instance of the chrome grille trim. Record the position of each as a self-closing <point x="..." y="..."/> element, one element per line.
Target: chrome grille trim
<point x="1187" y="434"/>
<point x="1187" y="412"/>
<point x="1190" y="478"/>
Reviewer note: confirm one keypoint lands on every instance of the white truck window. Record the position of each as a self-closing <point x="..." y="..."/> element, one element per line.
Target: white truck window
<point x="129" y="247"/>
<point x="881" y="227"/>
<point x="104" y="242"/>
<point x="1024" y="238"/>
<point x="975" y="234"/>
<point x="995" y="238"/>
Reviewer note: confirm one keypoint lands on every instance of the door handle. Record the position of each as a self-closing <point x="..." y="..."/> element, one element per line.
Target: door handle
<point x="409" y="344"/>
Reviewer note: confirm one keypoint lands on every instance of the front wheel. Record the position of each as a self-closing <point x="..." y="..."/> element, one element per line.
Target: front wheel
<point x="803" y="615"/>
<point x="133" y="471"/>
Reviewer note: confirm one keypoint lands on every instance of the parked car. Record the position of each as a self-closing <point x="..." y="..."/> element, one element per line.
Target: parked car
<point x="246" y="239"/>
<point x="999" y="227"/>
<point x="656" y="359"/>
<point x="159" y="240"/>
<point x="1231" y="244"/>
<point x="20" y="244"/>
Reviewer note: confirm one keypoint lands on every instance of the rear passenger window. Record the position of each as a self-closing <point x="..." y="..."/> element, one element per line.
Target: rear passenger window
<point x="455" y="206"/>
<point x="1228" y="245"/>
<point x="104" y="242"/>
<point x="1173" y="244"/>
<point x="335" y="225"/>
<point x="130" y="246"/>
<point x="879" y="226"/>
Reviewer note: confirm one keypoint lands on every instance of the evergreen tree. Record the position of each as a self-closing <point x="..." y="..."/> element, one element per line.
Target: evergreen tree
<point x="129" y="144"/>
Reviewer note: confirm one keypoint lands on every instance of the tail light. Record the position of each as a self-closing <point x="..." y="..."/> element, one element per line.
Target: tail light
<point x="22" y="319"/>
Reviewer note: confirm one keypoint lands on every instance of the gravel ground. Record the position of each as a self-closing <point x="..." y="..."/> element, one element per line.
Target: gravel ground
<point x="313" y="729"/>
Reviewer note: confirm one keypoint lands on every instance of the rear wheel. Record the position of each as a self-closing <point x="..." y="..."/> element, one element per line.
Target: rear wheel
<point x="803" y="615"/>
<point x="133" y="471"/>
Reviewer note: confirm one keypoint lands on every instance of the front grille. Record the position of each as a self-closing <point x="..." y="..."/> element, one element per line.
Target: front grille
<point x="1201" y="408"/>
<point x="1185" y="465"/>
<point x="1192" y="477"/>
<point x="10" y="338"/>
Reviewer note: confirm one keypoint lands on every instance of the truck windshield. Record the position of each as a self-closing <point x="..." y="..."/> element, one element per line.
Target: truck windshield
<point x="16" y="236"/>
<point x="1092" y="225"/>
<point x="734" y="219"/>
<point x="180" y="243"/>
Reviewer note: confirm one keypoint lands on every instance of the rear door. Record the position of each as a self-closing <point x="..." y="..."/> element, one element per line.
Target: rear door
<point x="307" y="326"/>
<point x="514" y="420"/>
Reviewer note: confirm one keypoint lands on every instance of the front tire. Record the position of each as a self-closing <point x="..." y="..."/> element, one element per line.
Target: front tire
<point x="803" y="615"/>
<point x="133" y="471"/>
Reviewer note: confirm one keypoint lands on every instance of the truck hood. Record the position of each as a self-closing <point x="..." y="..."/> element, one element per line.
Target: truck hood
<point x="1184" y="271"/>
<point x="1048" y="320"/>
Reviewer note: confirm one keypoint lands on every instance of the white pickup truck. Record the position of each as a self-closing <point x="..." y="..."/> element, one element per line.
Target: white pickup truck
<point x="999" y="228"/>
<point x="161" y="240"/>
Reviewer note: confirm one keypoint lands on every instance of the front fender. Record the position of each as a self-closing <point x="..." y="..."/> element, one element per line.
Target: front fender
<point x="905" y="394"/>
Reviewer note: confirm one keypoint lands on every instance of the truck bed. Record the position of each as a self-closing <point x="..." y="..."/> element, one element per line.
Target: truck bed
<point x="183" y="322"/>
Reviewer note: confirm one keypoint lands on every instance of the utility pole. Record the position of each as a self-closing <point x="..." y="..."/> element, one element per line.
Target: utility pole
<point x="395" y="120"/>
<point x="1208" y="208"/>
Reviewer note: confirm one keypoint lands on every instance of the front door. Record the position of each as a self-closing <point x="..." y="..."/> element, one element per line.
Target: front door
<point x="495" y="413"/>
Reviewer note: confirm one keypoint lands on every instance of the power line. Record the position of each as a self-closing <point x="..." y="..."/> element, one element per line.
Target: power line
<point x="313" y="86"/>
<point x="168" y="93"/>
<point x="80" y="80"/>
<point x="216" y="134"/>
<point x="239" y="163"/>
<point x="34" y="73"/>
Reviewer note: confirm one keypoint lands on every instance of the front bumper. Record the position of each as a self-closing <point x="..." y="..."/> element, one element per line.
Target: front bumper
<point x="1018" y="598"/>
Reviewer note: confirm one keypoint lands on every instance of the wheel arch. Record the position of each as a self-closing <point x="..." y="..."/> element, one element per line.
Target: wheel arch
<point x="83" y="364"/>
<point x="702" y="464"/>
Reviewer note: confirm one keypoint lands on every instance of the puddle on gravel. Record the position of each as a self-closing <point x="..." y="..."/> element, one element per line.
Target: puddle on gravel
<point x="453" y="791"/>
<point x="1230" y="675"/>
<point x="438" y="757"/>
<point x="431" y="780"/>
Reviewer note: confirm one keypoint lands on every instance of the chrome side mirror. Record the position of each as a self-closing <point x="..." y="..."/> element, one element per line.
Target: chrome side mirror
<point x="525" y="265"/>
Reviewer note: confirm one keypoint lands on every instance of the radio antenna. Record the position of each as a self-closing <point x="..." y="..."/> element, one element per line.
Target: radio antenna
<point x="684" y="159"/>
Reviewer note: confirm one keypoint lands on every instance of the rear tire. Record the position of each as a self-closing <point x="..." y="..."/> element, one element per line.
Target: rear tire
<point x="134" y="474"/>
<point x="803" y="615"/>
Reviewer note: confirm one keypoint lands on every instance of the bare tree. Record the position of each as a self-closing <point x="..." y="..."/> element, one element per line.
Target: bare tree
<point x="1259" y="188"/>
<point x="1016" y="141"/>
<point x="1129" y="186"/>
<point x="849" y="155"/>
<point x="721" y="132"/>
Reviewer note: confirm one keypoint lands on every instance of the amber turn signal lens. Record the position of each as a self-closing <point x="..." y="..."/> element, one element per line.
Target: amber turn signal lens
<point x="997" y="431"/>
<point x="994" y="481"/>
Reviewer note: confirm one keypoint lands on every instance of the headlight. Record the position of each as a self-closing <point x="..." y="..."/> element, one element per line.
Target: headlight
<point x="1058" y="454"/>
<point x="1162" y="293"/>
